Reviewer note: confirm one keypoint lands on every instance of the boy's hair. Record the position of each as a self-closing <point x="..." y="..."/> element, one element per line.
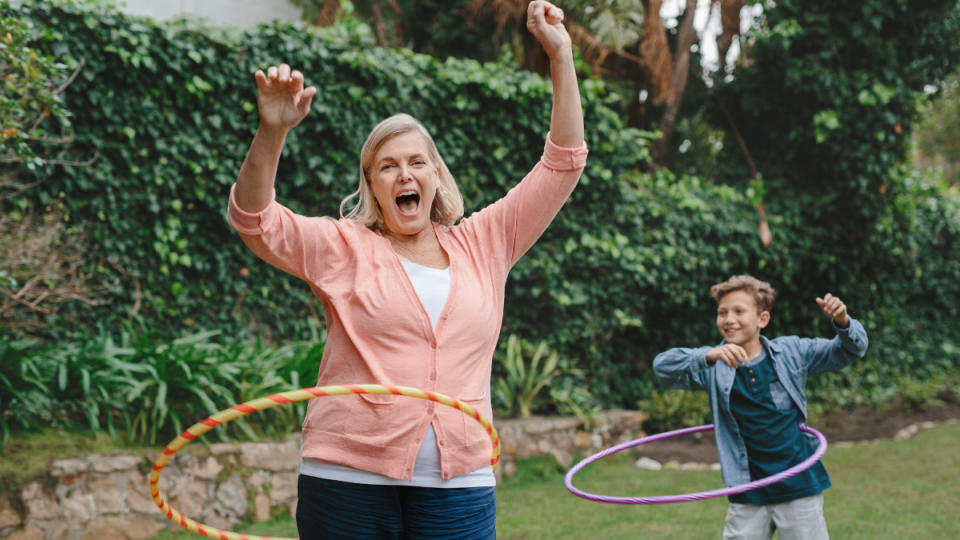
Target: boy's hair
<point x="761" y="291"/>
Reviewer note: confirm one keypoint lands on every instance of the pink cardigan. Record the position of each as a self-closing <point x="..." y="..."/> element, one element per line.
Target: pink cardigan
<point x="378" y="331"/>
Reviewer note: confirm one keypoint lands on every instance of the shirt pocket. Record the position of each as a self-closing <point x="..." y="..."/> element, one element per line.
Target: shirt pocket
<point x="781" y="399"/>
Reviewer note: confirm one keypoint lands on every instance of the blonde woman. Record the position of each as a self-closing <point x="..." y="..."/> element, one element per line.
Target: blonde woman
<point x="413" y="296"/>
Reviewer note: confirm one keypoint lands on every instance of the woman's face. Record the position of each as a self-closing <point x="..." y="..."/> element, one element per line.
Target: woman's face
<point x="404" y="182"/>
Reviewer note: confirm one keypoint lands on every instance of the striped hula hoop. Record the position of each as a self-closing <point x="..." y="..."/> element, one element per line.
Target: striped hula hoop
<point x="303" y="394"/>
<point x="772" y="479"/>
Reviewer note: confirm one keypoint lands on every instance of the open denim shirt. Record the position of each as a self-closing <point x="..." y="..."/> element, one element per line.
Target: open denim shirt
<point x="794" y="358"/>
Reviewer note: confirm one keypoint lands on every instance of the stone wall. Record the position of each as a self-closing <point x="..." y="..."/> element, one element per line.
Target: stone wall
<point x="105" y="497"/>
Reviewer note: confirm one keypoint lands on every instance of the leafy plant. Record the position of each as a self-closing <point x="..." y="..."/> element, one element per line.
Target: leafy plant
<point x="34" y="122"/>
<point x="527" y="370"/>
<point x="143" y="390"/>
<point x="675" y="409"/>
<point x="570" y="396"/>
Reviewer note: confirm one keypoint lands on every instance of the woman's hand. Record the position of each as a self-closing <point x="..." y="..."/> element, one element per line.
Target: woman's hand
<point x="545" y="22"/>
<point x="282" y="101"/>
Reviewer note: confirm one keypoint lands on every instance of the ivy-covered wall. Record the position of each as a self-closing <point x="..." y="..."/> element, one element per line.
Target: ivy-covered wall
<point x="168" y="112"/>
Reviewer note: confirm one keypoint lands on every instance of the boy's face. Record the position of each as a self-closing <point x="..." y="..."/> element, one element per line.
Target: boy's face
<point x="739" y="319"/>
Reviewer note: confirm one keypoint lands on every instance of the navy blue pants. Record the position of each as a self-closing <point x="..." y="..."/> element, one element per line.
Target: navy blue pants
<point x="328" y="509"/>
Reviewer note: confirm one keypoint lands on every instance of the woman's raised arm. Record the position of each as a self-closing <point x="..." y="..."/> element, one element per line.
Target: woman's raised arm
<point x="282" y="103"/>
<point x="545" y="22"/>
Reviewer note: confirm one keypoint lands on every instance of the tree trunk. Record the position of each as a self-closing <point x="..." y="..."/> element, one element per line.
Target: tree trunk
<point x="686" y="37"/>
<point x="379" y="24"/>
<point x="328" y="13"/>
<point x="730" y="20"/>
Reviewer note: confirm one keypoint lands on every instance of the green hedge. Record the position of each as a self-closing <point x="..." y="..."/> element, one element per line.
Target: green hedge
<point x="621" y="274"/>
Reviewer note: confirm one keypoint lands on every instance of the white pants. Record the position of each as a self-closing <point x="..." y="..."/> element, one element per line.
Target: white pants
<point x="799" y="519"/>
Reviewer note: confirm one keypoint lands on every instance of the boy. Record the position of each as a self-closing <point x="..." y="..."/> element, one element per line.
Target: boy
<point x="757" y="399"/>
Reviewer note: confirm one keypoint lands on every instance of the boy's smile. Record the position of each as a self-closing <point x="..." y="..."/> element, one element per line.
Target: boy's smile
<point x="740" y="320"/>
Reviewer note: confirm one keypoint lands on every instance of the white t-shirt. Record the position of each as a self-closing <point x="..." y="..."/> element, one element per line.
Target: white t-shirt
<point x="433" y="287"/>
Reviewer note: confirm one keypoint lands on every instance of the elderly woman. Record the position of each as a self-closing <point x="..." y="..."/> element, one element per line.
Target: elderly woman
<point x="411" y="297"/>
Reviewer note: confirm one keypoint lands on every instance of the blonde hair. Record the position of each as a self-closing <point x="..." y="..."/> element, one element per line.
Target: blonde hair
<point x="447" y="204"/>
<point x="761" y="291"/>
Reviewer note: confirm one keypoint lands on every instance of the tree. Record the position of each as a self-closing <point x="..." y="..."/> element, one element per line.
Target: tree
<point x="936" y="139"/>
<point x="40" y="256"/>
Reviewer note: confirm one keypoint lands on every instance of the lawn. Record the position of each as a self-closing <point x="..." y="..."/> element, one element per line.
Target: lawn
<point x="897" y="490"/>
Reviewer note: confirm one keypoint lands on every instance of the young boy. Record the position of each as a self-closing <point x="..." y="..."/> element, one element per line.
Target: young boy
<point x="757" y="399"/>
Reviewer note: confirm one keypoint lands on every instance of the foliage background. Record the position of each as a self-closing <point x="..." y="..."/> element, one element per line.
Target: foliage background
<point x="169" y="109"/>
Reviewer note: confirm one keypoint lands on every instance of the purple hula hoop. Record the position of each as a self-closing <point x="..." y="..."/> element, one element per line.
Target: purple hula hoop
<point x="773" y="479"/>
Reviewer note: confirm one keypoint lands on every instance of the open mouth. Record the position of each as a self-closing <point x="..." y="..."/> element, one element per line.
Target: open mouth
<point x="408" y="202"/>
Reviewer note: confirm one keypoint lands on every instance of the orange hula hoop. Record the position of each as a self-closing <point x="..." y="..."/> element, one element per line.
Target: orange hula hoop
<point x="260" y="404"/>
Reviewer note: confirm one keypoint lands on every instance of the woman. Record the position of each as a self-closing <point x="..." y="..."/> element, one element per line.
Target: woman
<point x="410" y="298"/>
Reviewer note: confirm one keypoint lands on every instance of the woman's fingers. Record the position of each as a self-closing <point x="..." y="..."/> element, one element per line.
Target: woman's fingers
<point x="283" y="73"/>
<point x="552" y="13"/>
<point x="306" y="98"/>
<point x="281" y="77"/>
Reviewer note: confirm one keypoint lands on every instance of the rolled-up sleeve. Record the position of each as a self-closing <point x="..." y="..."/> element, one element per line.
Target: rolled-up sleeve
<point x="564" y="158"/>
<point x="251" y="223"/>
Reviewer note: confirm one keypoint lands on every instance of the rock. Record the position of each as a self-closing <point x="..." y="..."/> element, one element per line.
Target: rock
<point x="69" y="467"/>
<point x="562" y="457"/>
<point x="907" y="432"/>
<point x="648" y="464"/>
<point x="78" y="509"/>
<point x="261" y="507"/>
<point x="9" y="516"/>
<point x="232" y="494"/>
<point x="283" y="488"/>
<point x="258" y="479"/>
<point x="107" y="495"/>
<point x="187" y="496"/>
<point x="40" y="505"/>
<point x="583" y="439"/>
<point x="206" y="469"/>
<point x="219" y="517"/>
<point x="122" y="528"/>
<point x="270" y="456"/>
<point x="27" y="533"/>
<point x="138" y="497"/>
<point x="106" y="464"/>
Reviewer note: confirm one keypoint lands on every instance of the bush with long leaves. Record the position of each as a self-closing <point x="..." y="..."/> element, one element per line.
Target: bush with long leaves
<point x="143" y="390"/>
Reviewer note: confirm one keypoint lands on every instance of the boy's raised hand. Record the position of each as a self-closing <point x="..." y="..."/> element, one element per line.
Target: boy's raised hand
<point x="282" y="101"/>
<point x="834" y="308"/>
<point x="731" y="354"/>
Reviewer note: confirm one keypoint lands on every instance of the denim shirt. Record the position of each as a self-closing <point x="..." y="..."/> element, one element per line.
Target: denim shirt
<point x="794" y="358"/>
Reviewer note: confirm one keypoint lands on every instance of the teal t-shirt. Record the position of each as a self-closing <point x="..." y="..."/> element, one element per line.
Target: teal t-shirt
<point x="769" y="423"/>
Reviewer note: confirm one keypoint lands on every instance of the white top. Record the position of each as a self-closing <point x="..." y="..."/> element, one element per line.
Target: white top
<point x="433" y="287"/>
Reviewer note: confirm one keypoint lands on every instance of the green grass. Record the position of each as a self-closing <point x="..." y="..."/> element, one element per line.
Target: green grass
<point x="897" y="490"/>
